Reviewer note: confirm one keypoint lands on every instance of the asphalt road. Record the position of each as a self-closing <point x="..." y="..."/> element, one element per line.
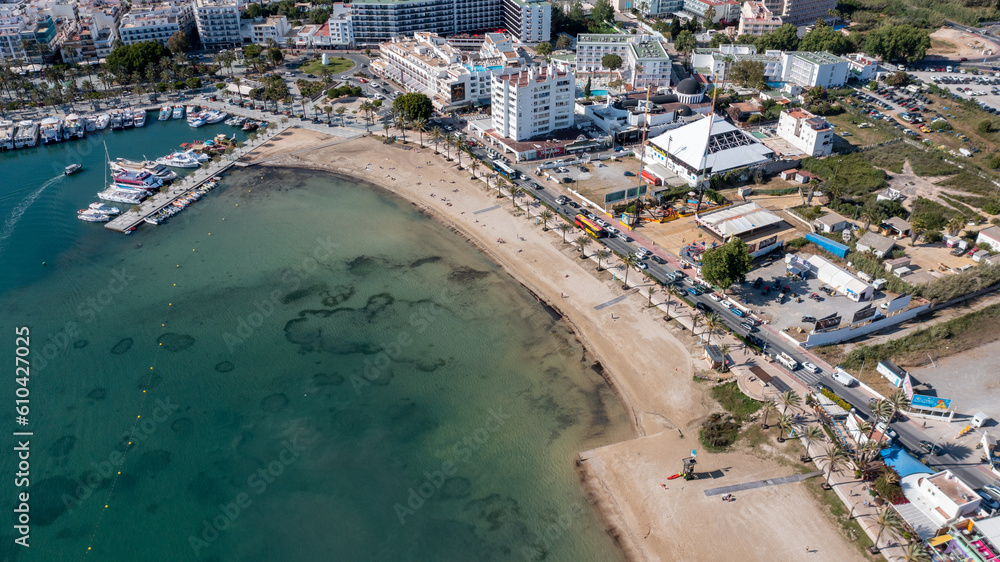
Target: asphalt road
<point x="967" y="467"/>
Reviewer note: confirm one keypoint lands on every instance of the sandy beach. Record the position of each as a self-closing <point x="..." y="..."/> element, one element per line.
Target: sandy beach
<point x="648" y="363"/>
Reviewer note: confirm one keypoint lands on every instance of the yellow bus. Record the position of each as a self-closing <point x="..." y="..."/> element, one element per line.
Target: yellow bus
<point x="589" y="226"/>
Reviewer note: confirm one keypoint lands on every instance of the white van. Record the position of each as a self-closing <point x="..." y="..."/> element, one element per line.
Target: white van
<point x="787" y="361"/>
<point x="843" y="378"/>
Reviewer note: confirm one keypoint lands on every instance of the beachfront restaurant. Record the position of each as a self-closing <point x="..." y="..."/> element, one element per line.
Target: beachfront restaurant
<point x="969" y="540"/>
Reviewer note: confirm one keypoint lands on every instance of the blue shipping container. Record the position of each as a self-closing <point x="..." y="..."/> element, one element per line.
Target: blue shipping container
<point x="834" y="248"/>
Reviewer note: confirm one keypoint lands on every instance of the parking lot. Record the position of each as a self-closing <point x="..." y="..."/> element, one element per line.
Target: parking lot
<point x="984" y="88"/>
<point x="791" y="312"/>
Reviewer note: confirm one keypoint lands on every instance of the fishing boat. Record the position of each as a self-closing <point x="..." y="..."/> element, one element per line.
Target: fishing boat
<point x="158" y="170"/>
<point x="91" y="215"/>
<point x="27" y="134"/>
<point x="139" y="120"/>
<point x="216" y="117"/>
<point x="141" y="179"/>
<point x="250" y="125"/>
<point x="117" y="122"/>
<point x="180" y="160"/>
<point x="51" y="130"/>
<point x="101" y="122"/>
<point x="197" y="120"/>
<point x="236" y="121"/>
<point x="72" y="169"/>
<point x="101" y="207"/>
<point x="7" y="133"/>
<point x="164" y="113"/>
<point x="178" y="112"/>
<point x="73" y="127"/>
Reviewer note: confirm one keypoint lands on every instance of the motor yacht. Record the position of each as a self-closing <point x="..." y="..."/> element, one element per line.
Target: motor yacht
<point x="139" y="120"/>
<point x="164" y="113"/>
<point x="27" y="134"/>
<point x="51" y="130"/>
<point x="101" y="121"/>
<point x="7" y="133"/>
<point x="73" y="127"/>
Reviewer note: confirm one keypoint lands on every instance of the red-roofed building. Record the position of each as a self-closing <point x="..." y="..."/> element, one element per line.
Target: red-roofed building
<point x="811" y="134"/>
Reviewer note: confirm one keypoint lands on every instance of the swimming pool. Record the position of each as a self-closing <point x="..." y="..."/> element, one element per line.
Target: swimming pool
<point x="593" y="93"/>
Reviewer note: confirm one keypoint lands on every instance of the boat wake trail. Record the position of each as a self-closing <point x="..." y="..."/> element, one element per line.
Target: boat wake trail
<point x="18" y="212"/>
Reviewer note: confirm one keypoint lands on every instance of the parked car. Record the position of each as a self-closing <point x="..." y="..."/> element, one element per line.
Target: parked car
<point x="748" y="327"/>
<point x="693" y="291"/>
<point x="702" y="306"/>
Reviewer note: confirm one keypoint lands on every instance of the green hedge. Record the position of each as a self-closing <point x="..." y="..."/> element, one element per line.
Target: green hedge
<point x="836" y="399"/>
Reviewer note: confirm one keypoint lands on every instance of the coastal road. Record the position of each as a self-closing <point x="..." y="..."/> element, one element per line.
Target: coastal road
<point x="961" y="460"/>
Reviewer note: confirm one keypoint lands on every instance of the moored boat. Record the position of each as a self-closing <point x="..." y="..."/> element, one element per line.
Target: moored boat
<point x="158" y="170"/>
<point x="73" y="127"/>
<point x="164" y="113"/>
<point x="51" y="130"/>
<point x="91" y="215"/>
<point x="117" y="120"/>
<point x="141" y="179"/>
<point x="101" y="122"/>
<point x="214" y="117"/>
<point x="89" y="123"/>
<point x="27" y="134"/>
<point x="178" y="112"/>
<point x="7" y="134"/>
<point x="139" y="119"/>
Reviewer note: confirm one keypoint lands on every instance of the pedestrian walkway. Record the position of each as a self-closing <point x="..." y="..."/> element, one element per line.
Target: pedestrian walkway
<point x="761" y="483"/>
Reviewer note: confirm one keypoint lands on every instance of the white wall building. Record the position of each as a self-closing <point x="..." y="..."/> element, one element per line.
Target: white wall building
<point x="801" y="12"/>
<point x="936" y="501"/>
<point x="644" y="60"/>
<point x="533" y="102"/>
<point x="156" y="22"/>
<point x="274" y="28"/>
<point x="530" y="21"/>
<point x="757" y="19"/>
<point x="861" y="67"/>
<point x="807" y="132"/>
<point x="991" y="236"/>
<point x="339" y="26"/>
<point x="814" y="69"/>
<point x="218" y="23"/>
<point x="728" y="10"/>
<point x="705" y="148"/>
<point x="713" y="62"/>
<point x="841" y="280"/>
<point x="427" y="64"/>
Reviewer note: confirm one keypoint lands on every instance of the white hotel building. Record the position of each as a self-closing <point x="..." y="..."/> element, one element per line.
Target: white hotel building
<point x="218" y="23"/>
<point x="533" y="102"/>
<point x="807" y="132"/>
<point x="644" y="60"/>
<point x="156" y="22"/>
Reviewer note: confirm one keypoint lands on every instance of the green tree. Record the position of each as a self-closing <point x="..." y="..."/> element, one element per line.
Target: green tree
<point x="748" y="73"/>
<point x="898" y="42"/>
<point x="826" y="38"/>
<point x="601" y="256"/>
<point x="413" y="106"/>
<point x="726" y="264"/>
<point x="544" y="48"/>
<point x="684" y="42"/>
<point x="129" y="59"/>
<point x="275" y="56"/>
<point x="789" y="400"/>
<point x="784" y="38"/>
<point x="252" y="50"/>
<point x="563" y="228"/>
<point x="611" y="61"/>
<point x="718" y="39"/>
<point x="985" y="127"/>
<point x="583" y="241"/>
<point x="836" y="459"/>
<point x="898" y="78"/>
<point x="631" y="260"/>
<point x="602" y="12"/>
<point x="709" y="16"/>
<point x="319" y="16"/>
<point x="586" y="92"/>
<point x="193" y="82"/>
<point x="179" y="43"/>
<point x="887" y="518"/>
<point x="546" y="216"/>
<point x="563" y="42"/>
<point x="769" y="407"/>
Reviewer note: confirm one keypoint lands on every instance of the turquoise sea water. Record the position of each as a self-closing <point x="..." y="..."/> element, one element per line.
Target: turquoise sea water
<point x="297" y="367"/>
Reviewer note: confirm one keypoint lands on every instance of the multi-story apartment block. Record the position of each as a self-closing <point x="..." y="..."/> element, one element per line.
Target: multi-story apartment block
<point x="156" y="22"/>
<point x="339" y="26"/>
<point x="218" y="23"/>
<point x="533" y="102"/>
<point x="26" y="37"/>
<point x="427" y="64"/>
<point x="815" y="69"/>
<point x="274" y="28"/>
<point x="644" y="60"/>
<point x="800" y="12"/>
<point x="807" y="132"/>
<point x="89" y="38"/>
<point x="727" y="10"/>
<point x="377" y="21"/>
<point x="757" y="19"/>
<point x="861" y="67"/>
<point x="529" y="21"/>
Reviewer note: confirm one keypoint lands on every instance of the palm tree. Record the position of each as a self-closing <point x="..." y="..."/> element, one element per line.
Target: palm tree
<point x="474" y="165"/>
<point x="601" y="255"/>
<point x="695" y="320"/>
<point x="631" y="260"/>
<point x="785" y="423"/>
<point x="436" y="136"/>
<point x="672" y="291"/>
<point x="887" y="518"/>
<point x="915" y="552"/>
<point x="420" y="124"/>
<point x="340" y="111"/>
<point x="546" y="217"/>
<point x="459" y="149"/>
<point x="448" y="141"/>
<point x="954" y="225"/>
<point x="768" y="407"/>
<point x="501" y="183"/>
<point x="650" y="291"/>
<point x="386" y="126"/>
<point x="712" y="322"/>
<point x="881" y="410"/>
<point x="583" y="241"/>
<point x="813" y="433"/>
<point x="899" y="401"/>
<point x="515" y="192"/>
<point x="564" y="228"/>
<point x="790" y="399"/>
<point x="836" y="459"/>
<point x="724" y="348"/>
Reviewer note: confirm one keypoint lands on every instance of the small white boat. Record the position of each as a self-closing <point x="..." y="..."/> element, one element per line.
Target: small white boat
<point x="51" y="130"/>
<point x="72" y="169"/>
<point x="128" y="118"/>
<point x="216" y="117"/>
<point x="7" y="134"/>
<point x="101" y="207"/>
<point x="73" y="127"/>
<point x="140" y="118"/>
<point x="164" y="113"/>
<point x="101" y="121"/>
<point x="117" y="121"/>
<point x="91" y="215"/>
<point x="27" y="134"/>
<point x="88" y="124"/>
<point x="180" y="160"/>
<point x="178" y="112"/>
<point x="197" y="119"/>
